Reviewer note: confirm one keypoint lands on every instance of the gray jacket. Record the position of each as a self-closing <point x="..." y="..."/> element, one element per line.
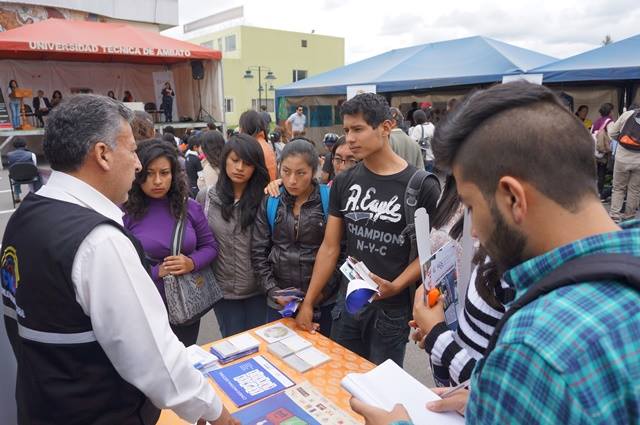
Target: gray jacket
<point x="406" y="148"/>
<point x="232" y="268"/>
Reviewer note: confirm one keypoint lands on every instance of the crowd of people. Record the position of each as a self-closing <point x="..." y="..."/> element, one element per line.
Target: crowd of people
<point x="550" y="326"/>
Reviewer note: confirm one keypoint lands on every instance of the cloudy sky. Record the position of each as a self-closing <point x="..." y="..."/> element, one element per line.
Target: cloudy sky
<point x="559" y="28"/>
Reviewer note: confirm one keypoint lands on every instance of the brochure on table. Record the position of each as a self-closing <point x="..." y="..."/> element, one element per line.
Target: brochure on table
<point x="388" y="384"/>
<point x="250" y="380"/>
<point x="235" y="347"/>
<point x="300" y="405"/>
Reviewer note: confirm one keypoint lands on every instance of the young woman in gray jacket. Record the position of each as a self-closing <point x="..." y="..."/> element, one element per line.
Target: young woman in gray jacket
<point x="231" y="206"/>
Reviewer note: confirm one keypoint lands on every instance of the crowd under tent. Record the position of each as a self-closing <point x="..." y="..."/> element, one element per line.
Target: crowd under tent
<point x="610" y="73"/>
<point x="433" y="72"/>
<point x="93" y="57"/>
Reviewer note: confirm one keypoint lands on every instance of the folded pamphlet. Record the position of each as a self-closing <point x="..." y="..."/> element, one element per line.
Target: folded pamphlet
<point x="235" y="347"/>
<point x="287" y="346"/>
<point x="306" y="359"/>
<point x="361" y="289"/>
<point x="201" y="359"/>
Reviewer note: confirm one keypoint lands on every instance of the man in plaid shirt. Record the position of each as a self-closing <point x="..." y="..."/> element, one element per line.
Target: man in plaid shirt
<point x="525" y="168"/>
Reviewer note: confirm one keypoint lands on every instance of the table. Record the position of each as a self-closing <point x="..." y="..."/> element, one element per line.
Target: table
<point x="325" y="378"/>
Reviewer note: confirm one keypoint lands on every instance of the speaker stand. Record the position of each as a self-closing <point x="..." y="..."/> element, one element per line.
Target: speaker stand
<point x="203" y="115"/>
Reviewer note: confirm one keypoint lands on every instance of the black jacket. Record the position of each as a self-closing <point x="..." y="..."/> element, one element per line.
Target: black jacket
<point x="285" y="259"/>
<point x="36" y="103"/>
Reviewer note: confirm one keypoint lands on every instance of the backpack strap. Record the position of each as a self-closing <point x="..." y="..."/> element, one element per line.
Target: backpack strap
<point x="621" y="268"/>
<point x="272" y="211"/>
<point x="324" y="198"/>
<point x="411" y="194"/>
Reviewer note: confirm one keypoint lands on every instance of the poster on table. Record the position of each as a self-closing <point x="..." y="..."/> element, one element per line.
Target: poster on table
<point x="159" y="80"/>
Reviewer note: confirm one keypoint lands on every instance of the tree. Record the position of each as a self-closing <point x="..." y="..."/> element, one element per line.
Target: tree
<point x="607" y="40"/>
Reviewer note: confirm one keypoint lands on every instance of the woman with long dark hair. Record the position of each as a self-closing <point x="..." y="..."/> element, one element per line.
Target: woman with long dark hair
<point x="157" y="200"/>
<point x="211" y="144"/>
<point x="56" y="98"/>
<point x="167" y="95"/>
<point x="231" y="207"/>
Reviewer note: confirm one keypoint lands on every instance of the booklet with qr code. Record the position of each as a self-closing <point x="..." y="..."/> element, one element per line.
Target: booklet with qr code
<point x="250" y="380"/>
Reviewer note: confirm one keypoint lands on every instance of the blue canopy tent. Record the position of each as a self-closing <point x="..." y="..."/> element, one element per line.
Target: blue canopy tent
<point x="616" y="65"/>
<point x="454" y="64"/>
<point x="465" y="61"/>
<point x="616" y="61"/>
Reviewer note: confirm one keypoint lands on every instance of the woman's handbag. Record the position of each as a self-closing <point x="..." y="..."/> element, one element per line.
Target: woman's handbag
<point x="189" y="296"/>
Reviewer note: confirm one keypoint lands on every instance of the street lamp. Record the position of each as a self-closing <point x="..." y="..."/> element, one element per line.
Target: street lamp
<point x="269" y="76"/>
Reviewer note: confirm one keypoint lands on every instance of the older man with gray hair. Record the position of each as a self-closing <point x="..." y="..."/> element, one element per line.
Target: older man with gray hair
<point x="86" y="323"/>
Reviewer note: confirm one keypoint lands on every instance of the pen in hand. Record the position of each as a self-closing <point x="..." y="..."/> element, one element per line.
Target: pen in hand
<point x="460" y="386"/>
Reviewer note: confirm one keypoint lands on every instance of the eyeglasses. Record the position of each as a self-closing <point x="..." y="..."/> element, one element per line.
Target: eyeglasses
<point x="339" y="161"/>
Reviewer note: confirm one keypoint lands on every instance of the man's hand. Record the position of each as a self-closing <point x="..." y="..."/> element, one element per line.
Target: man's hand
<point x="417" y="335"/>
<point x="426" y="317"/>
<point x="304" y="318"/>
<point x="224" y="419"/>
<point x="178" y="264"/>
<point x="387" y="289"/>
<point x="273" y="188"/>
<point x="375" y="416"/>
<point x="455" y="402"/>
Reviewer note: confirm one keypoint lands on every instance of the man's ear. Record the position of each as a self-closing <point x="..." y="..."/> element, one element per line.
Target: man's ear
<point x="103" y="155"/>
<point x="511" y="197"/>
<point x="386" y="126"/>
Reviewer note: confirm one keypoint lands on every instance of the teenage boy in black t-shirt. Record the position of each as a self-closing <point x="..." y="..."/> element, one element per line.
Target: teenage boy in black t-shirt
<point x="367" y="207"/>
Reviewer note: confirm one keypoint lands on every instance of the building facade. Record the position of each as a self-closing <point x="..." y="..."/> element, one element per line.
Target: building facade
<point x="284" y="55"/>
<point x="155" y="15"/>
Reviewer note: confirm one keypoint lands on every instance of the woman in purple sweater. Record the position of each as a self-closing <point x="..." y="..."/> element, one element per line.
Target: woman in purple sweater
<point x="158" y="197"/>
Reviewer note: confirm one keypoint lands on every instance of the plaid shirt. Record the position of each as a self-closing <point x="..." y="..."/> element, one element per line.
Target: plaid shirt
<point x="571" y="356"/>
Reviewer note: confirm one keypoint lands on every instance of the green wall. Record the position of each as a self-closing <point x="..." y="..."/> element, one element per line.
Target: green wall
<point x="281" y="51"/>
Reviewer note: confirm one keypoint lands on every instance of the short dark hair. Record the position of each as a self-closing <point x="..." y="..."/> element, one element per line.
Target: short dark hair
<point x="211" y="125"/>
<point x="373" y="107"/>
<point x="194" y="141"/>
<point x="19" y="142"/>
<point x="420" y="116"/>
<point x="77" y="124"/>
<point x="396" y="115"/>
<point x="142" y="126"/>
<point x="605" y="109"/>
<point x="252" y="123"/>
<point x="263" y="107"/>
<point x="521" y="130"/>
<point x="169" y="129"/>
<point x="168" y="137"/>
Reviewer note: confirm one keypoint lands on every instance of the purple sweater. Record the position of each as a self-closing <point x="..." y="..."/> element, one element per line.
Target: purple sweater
<point x="155" y="229"/>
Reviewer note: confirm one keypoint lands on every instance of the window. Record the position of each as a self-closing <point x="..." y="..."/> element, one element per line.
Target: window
<point x="255" y="105"/>
<point x="230" y="43"/>
<point x="303" y="43"/>
<point x="207" y="44"/>
<point x="228" y="105"/>
<point x="299" y="74"/>
<point x="220" y="46"/>
<point x="321" y="116"/>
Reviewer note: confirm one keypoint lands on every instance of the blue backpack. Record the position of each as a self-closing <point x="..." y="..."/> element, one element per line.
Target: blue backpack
<point x="272" y="206"/>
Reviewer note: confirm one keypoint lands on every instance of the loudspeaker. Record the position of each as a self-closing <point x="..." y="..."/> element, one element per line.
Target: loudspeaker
<point x="197" y="70"/>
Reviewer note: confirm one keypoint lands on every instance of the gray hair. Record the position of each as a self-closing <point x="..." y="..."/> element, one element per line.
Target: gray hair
<point x="77" y="124"/>
<point x="396" y="114"/>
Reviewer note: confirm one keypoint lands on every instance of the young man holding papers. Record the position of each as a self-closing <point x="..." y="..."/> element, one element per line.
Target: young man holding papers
<point x="367" y="205"/>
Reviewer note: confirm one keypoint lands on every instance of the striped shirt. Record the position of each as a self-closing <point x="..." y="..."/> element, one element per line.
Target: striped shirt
<point x="570" y="357"/>
<point x="453" y="354"/>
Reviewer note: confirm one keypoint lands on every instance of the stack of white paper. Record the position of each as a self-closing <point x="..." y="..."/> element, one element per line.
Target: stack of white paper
<point x="235" y="347"/>
<point x="287" y="346"/>
<point x="306" y="359"/>
<point x="388" y="384"/>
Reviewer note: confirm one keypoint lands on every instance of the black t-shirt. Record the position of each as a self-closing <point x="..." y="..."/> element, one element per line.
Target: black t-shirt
<point x="373" y="212"/>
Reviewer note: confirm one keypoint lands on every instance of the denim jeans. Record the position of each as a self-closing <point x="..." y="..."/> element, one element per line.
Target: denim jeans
<point x="235" y="316"/>
<point x="378" y="332"/>
<point x="14" y="105"/>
